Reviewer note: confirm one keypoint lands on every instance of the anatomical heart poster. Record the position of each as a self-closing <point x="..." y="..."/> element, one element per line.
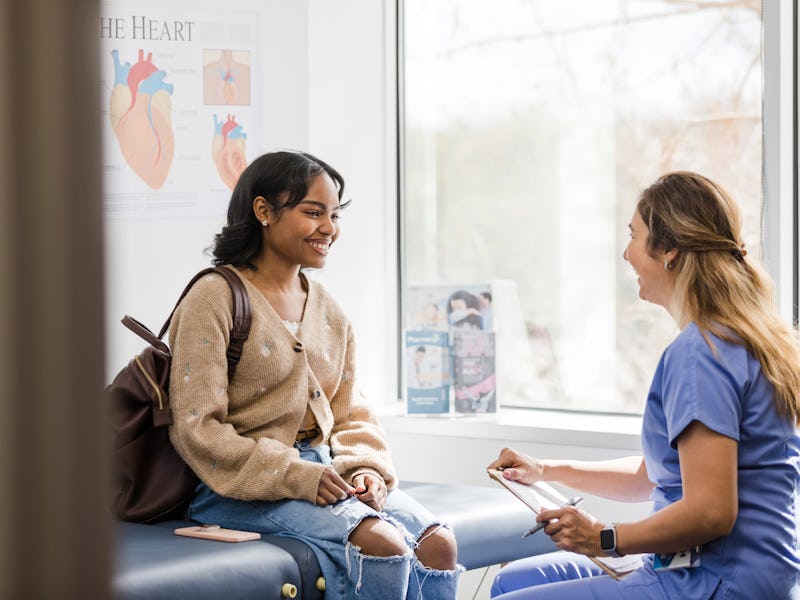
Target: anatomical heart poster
<point x="180" y="109"/>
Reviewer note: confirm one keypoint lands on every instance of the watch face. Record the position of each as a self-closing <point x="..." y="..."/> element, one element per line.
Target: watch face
<point x="607" y="541"/>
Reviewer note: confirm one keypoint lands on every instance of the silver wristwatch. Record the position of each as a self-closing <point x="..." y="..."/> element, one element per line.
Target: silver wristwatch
<point x="608" y="541"/>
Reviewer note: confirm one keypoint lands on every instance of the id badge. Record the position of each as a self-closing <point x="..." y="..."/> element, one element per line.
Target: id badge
<point x="677" y="560"/>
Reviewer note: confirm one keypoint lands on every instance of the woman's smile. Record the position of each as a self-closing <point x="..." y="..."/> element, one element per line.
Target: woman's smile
<point x="321" y="246"/>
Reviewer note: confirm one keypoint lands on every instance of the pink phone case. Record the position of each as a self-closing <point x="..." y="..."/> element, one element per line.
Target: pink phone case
<point x="215" y="532"/>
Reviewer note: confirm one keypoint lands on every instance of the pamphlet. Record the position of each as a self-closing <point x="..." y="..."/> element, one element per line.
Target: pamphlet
<point x="427" y="372"/>
<point x="474" y="372"/>
<point x="449" y="307"/>
<point x="450" y="350"/>
<point x="540" y="496"/>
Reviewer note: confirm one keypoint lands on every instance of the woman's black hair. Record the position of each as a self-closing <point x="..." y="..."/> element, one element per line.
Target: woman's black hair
<point x="283" y="179"/>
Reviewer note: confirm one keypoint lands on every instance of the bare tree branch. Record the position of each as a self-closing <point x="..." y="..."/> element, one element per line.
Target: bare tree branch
<point x="691" y="6"/>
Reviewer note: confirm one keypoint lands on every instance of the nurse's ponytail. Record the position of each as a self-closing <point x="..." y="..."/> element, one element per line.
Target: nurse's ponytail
<point x="718" y="285"/>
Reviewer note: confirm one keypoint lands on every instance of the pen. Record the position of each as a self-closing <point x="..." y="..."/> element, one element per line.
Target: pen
<point x="571" y="502"/>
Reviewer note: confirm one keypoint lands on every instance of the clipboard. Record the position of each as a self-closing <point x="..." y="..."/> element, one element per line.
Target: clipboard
<point x="541" y="496"/>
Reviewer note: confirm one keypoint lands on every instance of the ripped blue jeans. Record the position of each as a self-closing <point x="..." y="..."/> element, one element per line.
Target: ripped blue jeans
<point x="349" y="575"/>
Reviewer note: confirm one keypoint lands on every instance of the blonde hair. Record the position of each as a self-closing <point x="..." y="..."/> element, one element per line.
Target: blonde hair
<point x="716" y="287"/>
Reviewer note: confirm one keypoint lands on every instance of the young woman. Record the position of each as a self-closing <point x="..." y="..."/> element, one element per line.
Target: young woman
<point x="721" y="449"/>
<point x="289" y="446"/>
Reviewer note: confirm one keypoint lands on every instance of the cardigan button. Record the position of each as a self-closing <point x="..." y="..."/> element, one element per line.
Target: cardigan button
<point x="298" y="347"/>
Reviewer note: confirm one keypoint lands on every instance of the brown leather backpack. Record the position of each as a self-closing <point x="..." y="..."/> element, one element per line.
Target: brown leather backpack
<point x="150" y="481"/>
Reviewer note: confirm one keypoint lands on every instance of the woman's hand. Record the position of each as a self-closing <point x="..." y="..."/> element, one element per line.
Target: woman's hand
<point x="573" y="529"/>
<point x="518" y="467"/>
<point x="371" y="490"/>
<point x="332" y="488"/>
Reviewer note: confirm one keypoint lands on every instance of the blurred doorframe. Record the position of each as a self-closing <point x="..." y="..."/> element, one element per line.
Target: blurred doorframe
<point x="55" y="541"/>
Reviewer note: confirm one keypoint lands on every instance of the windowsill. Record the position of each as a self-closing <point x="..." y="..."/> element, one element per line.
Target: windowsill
<point x="522" y="425"/>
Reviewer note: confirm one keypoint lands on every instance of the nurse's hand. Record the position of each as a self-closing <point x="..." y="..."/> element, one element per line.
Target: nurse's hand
<point x="332" y="488"/>
<point x="371" y="490"/>
<point x="517" y="467"/>
<point x="573" y="529"/>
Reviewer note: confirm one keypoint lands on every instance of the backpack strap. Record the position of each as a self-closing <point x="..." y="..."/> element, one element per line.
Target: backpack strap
<point x="242" y="316"/>
<point x="143" y="332"/>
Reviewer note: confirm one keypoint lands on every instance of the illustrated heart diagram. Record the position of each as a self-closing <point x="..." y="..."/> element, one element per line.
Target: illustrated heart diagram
<point x="228" y="150"/>
<point x="141" y="117"/>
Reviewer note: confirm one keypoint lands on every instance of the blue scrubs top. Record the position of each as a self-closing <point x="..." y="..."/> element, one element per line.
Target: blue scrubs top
<point x="728" y="393"/>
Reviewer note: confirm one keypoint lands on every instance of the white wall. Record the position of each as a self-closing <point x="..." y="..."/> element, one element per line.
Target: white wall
<point x="351" y="123"/>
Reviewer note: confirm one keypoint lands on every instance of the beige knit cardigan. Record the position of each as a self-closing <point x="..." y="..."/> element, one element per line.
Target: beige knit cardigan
<point x="238" y="437"/>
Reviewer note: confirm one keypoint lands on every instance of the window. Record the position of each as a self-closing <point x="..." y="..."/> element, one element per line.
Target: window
<point x="529" y="128"/>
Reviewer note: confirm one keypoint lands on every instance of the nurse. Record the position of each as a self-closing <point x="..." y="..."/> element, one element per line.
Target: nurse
<point x="719" y="431"/>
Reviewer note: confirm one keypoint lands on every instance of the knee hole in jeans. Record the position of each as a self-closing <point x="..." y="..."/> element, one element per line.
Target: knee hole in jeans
<point x="376" y="537"/>
<point x="437" y="549"/>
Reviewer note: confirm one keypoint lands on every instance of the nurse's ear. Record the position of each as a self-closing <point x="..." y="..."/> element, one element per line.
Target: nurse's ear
<point x="669" y="258"/>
